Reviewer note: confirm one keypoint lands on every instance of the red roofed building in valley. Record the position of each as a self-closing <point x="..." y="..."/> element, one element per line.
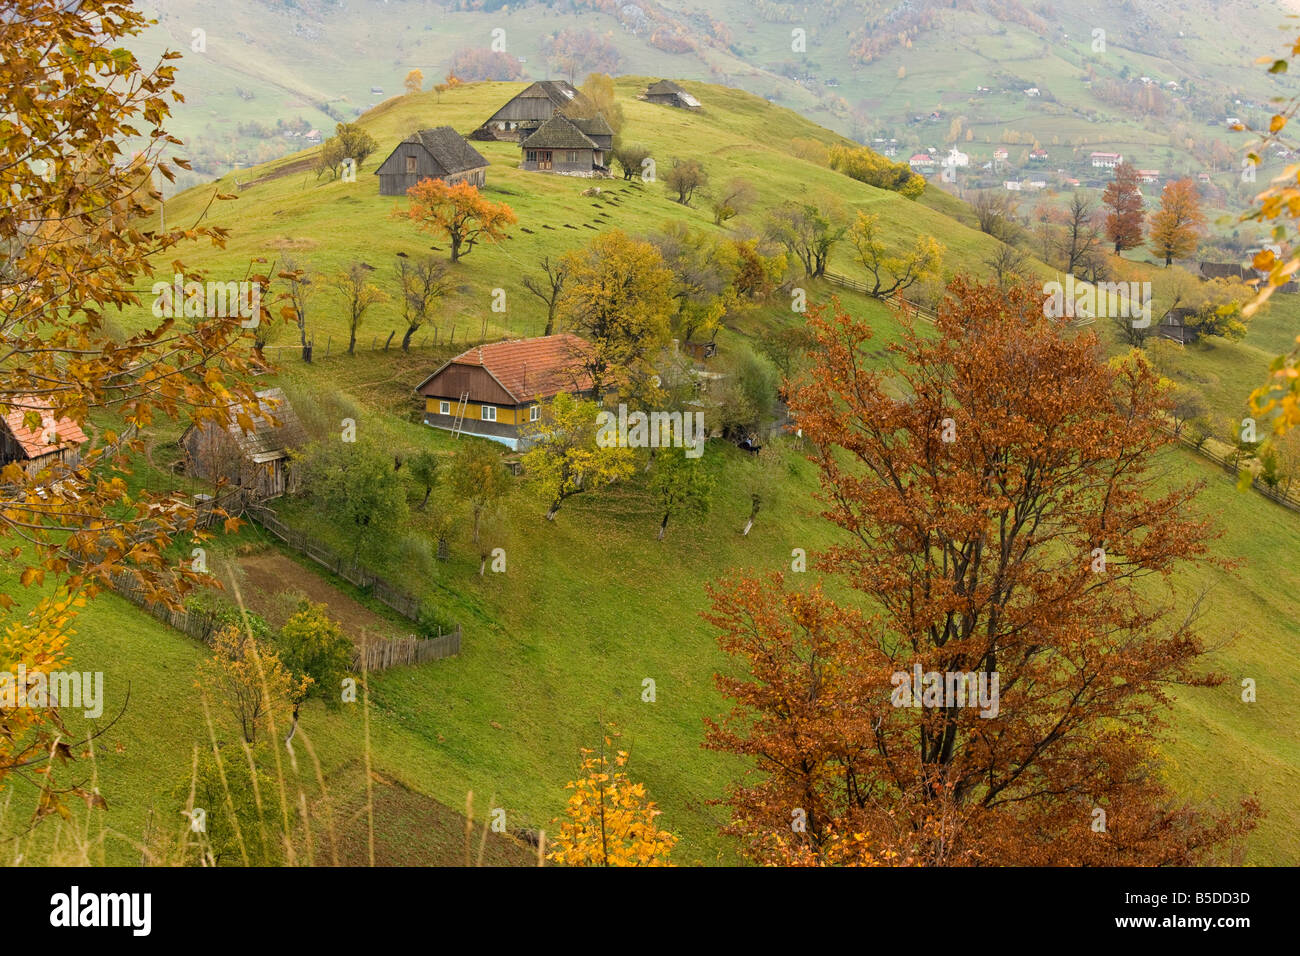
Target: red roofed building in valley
<point x="496" y="391"/>
<point x="37" y="447"/>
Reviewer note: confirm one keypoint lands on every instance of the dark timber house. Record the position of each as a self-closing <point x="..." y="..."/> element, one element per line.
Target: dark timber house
<point x="1227" y="270"/>
<point x="496" y="391"/>
<point x="561" y="145"/>
<point x="259" y="461"/>
<point x="1175" y="326"/>
<point x="36" y="448"/>
<point x="527" y="110"/>
<point x="439" y="153"/>
<point x="668" y="93"/>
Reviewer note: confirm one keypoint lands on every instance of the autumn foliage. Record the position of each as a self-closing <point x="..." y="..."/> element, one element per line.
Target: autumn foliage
<point x="1123" y="200"/>
<point x="460" y="213"/>
<point x="1001" y="514"/>
<point x="1177" y="226"/>
<point x="78" y="243"/>
<point x="608" y="819"/>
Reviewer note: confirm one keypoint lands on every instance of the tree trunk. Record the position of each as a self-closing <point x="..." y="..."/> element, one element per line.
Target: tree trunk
<point x="455" y="247"/>
<point x="555" y="507"/>
<point x="482" y="565"/>
<point x="352" y="342"/>
<point x="424" y="505"/>
<point x="663" y="526"/>
<point x="406" y="339"/>
<point x="293" y="729"/>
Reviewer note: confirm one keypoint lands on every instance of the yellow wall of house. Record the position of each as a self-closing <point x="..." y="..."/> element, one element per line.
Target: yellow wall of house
<point x="506" y="414"/>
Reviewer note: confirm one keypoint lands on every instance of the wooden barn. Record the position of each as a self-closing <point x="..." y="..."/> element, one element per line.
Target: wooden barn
<point x="496" y="391"/>
<point x="560" y="146"/>
<point x="35" y="449"/>
<point x="527" y="110"/>
<point x="1226" y="270"/>
<point x="260" y="461"/>
<point x="668" y="93"/>
<point x="1175" y="326"/>
<point x="439" y="153"/>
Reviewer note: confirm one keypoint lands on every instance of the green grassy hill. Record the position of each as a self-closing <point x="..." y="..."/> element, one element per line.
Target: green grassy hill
<point x="331" y="223"/>
<point x="591" y="604"/>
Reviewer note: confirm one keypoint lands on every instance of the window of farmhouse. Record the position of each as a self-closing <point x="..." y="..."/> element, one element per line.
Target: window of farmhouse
<point x="444" y="408"/>
<point x="532" y="156"/>
<point x="489" y="413"/>
<point x="534" y="413"/>
<point x="410" y="164"/>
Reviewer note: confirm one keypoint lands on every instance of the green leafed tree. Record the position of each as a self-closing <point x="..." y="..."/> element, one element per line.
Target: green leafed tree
<point x="566" y="459"/>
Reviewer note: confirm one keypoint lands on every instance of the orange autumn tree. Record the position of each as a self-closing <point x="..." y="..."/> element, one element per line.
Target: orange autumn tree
<point x="1123" y="199"/>
<point x="608" y="820"/>
<point x="1177" y="226"/>
<point x="1001" y="519"/>
<point x="460" y="213"/>
<point x="78" y="242"/>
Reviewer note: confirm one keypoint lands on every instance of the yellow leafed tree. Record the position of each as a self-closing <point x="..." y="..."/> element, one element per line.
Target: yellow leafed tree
<point x="609" y="821"/>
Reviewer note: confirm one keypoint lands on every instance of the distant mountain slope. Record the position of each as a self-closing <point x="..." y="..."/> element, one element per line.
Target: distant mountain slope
<point x="860" y="67"/>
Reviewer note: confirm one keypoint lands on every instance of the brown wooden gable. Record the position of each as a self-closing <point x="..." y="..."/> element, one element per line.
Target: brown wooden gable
<point x="454" y="379"/>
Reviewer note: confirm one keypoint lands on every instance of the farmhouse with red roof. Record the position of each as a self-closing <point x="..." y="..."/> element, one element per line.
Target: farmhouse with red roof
<point x="496" y="391"/>
<point x="35" y="447"/>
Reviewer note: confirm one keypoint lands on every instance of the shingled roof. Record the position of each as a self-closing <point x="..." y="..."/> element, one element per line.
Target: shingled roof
<point x="593" y="125"/>
<point x="663" y="87"/>
<point x="529" y="369"/>
<point x="267" y="442"/>
<point x="448" y="149"/>
<point x="558" y="132"/>
<point x="559" y="92"/>
<point x="53" y="434"/>
<point x="669" y="88"/>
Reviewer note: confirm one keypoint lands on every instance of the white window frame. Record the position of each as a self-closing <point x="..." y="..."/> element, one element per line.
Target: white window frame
<point x="484" y="411"/>
<point x="444" y="408"/>
<point x="534" y="413"/>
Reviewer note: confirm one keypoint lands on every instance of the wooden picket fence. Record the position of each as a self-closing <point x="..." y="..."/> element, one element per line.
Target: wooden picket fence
<point x="200" y="625"/>
<point x="379" y="656"/>
<point x="1283" y="496"/>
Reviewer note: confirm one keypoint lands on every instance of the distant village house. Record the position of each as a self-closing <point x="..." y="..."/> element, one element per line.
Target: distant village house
<point x="1175" y="326"/>
<point x="527" y="110"/>
<point x="439" y="153"/>
<point x="571" y="146"/>
<point x="668" y="93"/>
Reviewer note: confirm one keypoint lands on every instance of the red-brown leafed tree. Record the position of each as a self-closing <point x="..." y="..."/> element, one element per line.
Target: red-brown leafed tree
<point x="1123" y="200"/>
<point x="1035" y="543"/>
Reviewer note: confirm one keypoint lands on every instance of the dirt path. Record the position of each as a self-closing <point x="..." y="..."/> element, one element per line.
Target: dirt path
<point x="271" y="573"/>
